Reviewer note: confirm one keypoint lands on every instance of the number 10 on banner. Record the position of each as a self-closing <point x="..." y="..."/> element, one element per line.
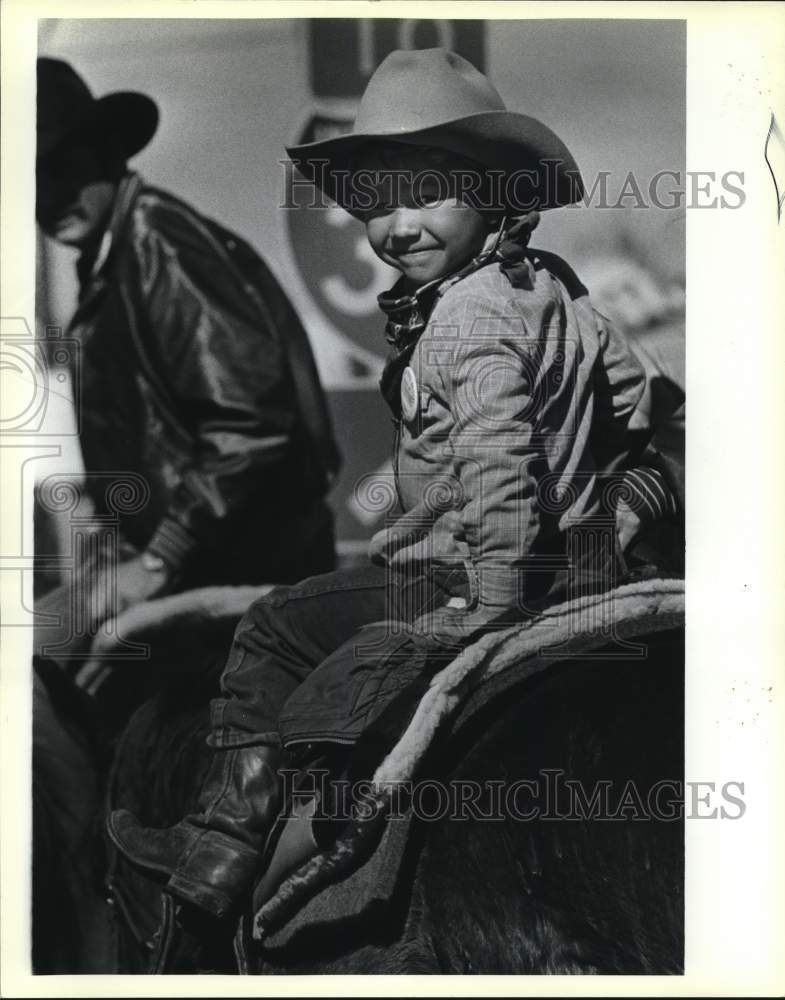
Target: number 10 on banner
<point x="345" y="52"/>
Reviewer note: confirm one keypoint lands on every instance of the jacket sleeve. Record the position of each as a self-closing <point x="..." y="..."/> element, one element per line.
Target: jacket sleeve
<point x="621" y="384"/>
<point x="492" y="385"/>
<point x="660" y="416"/>
<point x="648" y="490"/>
<point x="224" y="366"/>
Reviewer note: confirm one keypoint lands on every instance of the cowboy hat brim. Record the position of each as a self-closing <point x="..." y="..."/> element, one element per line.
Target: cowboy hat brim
<point x="498" y="140"/>
<point x="128" y="118"/>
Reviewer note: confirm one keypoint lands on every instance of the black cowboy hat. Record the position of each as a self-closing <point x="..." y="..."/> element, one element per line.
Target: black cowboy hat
<point x="434" y="97"/>
<point x="66" y="107"/>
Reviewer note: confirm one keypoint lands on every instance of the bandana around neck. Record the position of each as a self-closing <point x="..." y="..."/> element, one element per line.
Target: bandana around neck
<point x="408" y="314"/>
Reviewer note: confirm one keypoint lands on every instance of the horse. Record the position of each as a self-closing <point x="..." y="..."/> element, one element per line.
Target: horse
<point x="565" y="855"/>
<point x="79" y="713"/>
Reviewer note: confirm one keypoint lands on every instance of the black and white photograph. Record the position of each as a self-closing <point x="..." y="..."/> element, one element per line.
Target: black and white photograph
<point x="352" y="511"/>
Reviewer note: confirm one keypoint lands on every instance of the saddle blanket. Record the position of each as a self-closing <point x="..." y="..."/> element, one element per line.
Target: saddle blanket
<point x="361" y="869"/>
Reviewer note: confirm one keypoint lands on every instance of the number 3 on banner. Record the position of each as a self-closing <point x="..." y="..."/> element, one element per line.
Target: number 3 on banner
<point x="338" y="292"/>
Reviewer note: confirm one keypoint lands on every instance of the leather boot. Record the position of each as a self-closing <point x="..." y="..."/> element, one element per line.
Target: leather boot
<point x="212" y="856"/>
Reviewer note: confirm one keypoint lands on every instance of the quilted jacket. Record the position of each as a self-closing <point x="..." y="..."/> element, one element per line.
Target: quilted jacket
<point x="513" y="414"/>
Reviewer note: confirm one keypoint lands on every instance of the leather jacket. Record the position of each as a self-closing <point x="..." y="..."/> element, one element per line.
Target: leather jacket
<point x="197" y="380"/>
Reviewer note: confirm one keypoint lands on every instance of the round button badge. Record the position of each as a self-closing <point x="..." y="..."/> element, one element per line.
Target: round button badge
<point x="410" y="394"/>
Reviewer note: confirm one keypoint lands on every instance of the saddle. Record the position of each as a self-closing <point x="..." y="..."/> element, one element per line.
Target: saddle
<point x="322" y="871"/>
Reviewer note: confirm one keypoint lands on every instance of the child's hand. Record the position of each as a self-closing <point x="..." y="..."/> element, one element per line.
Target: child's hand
<point x="628" y="526"/>
<point x="452" y="628"/>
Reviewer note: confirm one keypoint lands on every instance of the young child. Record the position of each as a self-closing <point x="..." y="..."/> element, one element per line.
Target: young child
<point x="511" y="398"/>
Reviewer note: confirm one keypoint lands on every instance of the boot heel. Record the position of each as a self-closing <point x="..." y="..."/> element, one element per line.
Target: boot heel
<point x="212" y="856"/>
<point x="216" y="874"/>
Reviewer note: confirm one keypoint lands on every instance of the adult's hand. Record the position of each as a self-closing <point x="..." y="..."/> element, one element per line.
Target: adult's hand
<point x="136" y="583"/>
<point x="133" y="583"/>
<point x="179" y="626"/>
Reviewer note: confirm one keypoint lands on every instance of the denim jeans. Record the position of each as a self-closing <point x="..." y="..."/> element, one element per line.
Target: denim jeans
<point x="348" y="625"/>
<point x="321" y="659"/>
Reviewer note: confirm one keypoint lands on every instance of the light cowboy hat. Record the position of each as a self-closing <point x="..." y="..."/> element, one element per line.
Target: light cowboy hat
<point x="66" y="107"/>
<point x="434" y="97"/>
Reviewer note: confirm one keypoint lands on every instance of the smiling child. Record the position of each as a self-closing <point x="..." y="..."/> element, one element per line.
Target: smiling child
<point x="511" y="397"/>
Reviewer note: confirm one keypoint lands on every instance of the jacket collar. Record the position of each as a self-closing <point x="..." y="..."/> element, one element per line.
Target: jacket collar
<point x="91" y="265"/>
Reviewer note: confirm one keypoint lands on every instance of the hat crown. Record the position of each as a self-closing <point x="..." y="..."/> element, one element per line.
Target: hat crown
<point x="434" y="97"/>
<point x="67" y="107"/>
<point x="420" y="88"/>
<point x="62" y="94"/>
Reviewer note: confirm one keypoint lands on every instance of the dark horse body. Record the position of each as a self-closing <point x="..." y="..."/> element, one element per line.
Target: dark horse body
<point x="580" y="872"/>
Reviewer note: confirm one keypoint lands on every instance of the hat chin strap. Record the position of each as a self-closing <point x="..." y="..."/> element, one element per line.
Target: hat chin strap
<point x="493" y="241"/>
<point x="497" y="237"/>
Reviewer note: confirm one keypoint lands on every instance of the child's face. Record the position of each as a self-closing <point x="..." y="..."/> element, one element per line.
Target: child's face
<point x="418" y="230"/>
